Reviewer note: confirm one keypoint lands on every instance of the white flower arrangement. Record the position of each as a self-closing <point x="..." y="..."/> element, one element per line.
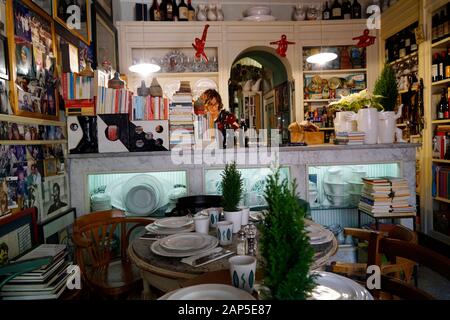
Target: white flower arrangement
<point x="356" y="101"/>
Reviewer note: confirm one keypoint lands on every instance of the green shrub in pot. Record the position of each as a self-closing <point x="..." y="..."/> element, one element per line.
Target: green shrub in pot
<point x="232" y="186"/>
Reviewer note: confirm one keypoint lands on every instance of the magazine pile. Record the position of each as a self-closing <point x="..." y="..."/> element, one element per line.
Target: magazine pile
<point x="47" y="282"/>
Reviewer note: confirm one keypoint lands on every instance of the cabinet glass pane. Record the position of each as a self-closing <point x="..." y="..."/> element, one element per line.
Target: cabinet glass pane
<point x="254" y="183"/>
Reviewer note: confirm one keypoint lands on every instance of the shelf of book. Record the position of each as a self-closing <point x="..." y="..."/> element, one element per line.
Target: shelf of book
<point x="442" y="199"/>
<point x="31" y="142"/>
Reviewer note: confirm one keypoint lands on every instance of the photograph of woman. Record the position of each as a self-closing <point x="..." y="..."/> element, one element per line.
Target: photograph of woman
<point x="24" y="59"/>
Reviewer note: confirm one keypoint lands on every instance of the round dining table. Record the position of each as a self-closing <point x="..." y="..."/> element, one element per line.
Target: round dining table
<point x="167" y="274"/>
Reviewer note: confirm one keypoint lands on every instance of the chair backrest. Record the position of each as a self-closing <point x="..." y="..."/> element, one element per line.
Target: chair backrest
<point x="102" y="236"/>
<point x="193" y="204"/>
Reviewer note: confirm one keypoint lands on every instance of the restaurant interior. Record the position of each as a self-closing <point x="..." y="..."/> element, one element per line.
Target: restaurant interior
<point x="224" y="150"/>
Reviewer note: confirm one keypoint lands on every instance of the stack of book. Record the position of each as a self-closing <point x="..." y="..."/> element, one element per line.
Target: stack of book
<point x="48" y="282"/>
<point x="385" y="196"/>
<point x="181" y="117"/>
<point x="76" y="87"/>
<point x="114" y="101"/>
<point x="150" y="108"/>
<point x="341" y="138"/>
<point x="356" y="137"/>
<point x="80" y="107"/>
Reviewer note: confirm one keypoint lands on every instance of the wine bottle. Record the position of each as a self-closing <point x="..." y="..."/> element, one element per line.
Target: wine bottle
<point x="336" y="10"/>
<point x="155" y="14"/>
<point x="356" y="10"/>
<point x="441" y="105"/>
<point x="326" y="13"/>
<point x="396" y="47"/>
<point x="346" y="9"/>
<point x="413" y="41"/>
<point x="191" y="11"/>
<point x="441" y="69"/>
<point x="183" y="11"/>
<point x="168" y="8"/>
<point x="446" y="106"/>
<point x="434" y="68"/>
<point x="447" y="21"/>
<point x="408" y="36"/>
<point x="442" y="19"/>
<point x="175" y="12"/>
<point x="402" y="48"/>
<point x="163" y="10"/>
<point x="434" y="29"/>
<point x="447" y="64"/>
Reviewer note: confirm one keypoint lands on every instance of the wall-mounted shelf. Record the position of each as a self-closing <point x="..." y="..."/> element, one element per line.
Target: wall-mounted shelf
<point x="327" y="129"/>
<point x="441" y="161"/>
<point x="31" y="142"/>
<point x="442" y="199"/>
<point x="440" y="83"/>
<point x="404" y="58"/>
<point x="441" y="121"/>
<point x="27" y="120"/>
<point x="334" y="71"/>
<point x="443" y="44"/>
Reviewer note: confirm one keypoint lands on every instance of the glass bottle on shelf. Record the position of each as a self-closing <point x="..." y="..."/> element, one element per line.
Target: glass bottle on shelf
<point x="336" y="10"/>
<point x="447" y="64"/>
<point x="440" y="31"/>
<point x="346" y="9"/>
<point x="441" y="69"/>
<point x="175" y="15"/>
<point x="434" y="67"/>
<point x="326" y="13"/>
<point x="434" y="29"/>
<point x="241" y="246"/>
<point x="191" y="11"/>
<point x="408" y="36"/>
<point x="402" y="48"/>
<point x="183" y="11"/>
<point x="356" y="10"/>
<point x="163" y="10"/>
<point x="442" y="105"/>
<point x="155" y="14"/>
<point x="168" y="9"/>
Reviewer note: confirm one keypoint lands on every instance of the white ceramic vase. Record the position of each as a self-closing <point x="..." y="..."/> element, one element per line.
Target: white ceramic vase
<point x="211" y="15"/>
<point x="235" y="217"/>
<point x="345" y="121"/>
<point x="367" y="120"/>
<point x="201" y="13"/>
<point x="219" y="13"/>
<point x="387" y="125"/>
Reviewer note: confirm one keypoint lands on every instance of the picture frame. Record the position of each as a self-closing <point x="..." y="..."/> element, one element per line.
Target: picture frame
<point x="5" y="107"/>
<point x="105" y="39"/>
<point x="105" y="6"/>
<point x="50" y="167"/>
<point x="59" y="229"/>
<point x="45" y="5"/>
<point x="34" y="62"/>
<point x="3" y="18"/>
<point x="18" y="234"/>
<point x="55" y="197"/>
<point x="83" y="29"/>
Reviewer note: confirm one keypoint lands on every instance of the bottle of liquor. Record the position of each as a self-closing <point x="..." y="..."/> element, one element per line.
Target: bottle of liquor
<point x="155" y="14"/>
<point x="167" y="8"/>
<point x="408" y="35"/>
<point x="175" y="12"/>
<point x="326" y="13"/>
<point x="183" y="11"/>
<point x="191" y="11"/>
<point x="336" y="10"/>
<point x="163" y="10"/>
<point x="396" y="47"/>
<point x="434" y="29"/>
<point x="402" y="48"/>
<point x="435" y="68"/>
<point x="442" y="105"/>
<point x="346" y="9"/>
<point x="441" y="68"/>
<point x="413" y="42"/>
<point x="447" y="21"/>
<point x="442" y="19"/>
<point x="446" y="106"/>
<point x="447" y="64"/>
<point x="356" y="10"/>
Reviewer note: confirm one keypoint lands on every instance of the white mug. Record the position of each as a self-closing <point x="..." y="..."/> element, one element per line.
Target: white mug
<point x="201" y="224"/>
<point x="225" y="232"/>
<point x="214" y="215"/>
<point x="242" y="272"/>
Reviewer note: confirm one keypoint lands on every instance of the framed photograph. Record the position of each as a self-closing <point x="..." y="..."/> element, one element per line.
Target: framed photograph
<point x="74" y="59"/>
<point x="18" y="234"/>
<point x="50" y="167"/>
<point x="106" y="6"/>
<point x="75" y="16"/>
<point x="4" y="72"/>
<point x="45" y="5"/>
<point x="5" y="107"/>
<point x="59" y="229"/>
<point x="106" y="41"/>
<point x="3" y="18"/>
<point x="33" y="62"/>
<point x="55" y="197"/>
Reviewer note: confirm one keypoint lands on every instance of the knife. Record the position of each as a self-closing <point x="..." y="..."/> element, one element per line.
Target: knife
<point x="212" y="257"/>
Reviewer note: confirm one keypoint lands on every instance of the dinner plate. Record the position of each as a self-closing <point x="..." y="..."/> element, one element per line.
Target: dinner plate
<point x="174" y="222"/>
<point x="157" y="249"/>
<point x="209" y="292"/>
<point x="165" y="231"/>
<point x="184" y="242"/>
<point x="334" y="83"/>
<point x="316" y="233"/>
<point x="331" y="286"/>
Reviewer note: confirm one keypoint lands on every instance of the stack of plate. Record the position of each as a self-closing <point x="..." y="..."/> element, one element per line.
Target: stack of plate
<point x="208" y="292"/>
<point x="184" y="244"/>
<point x="100" y="202"/>
<point x="331" y="286"/>
<point x="319" y="237"/>
<point x="171" y="225"/>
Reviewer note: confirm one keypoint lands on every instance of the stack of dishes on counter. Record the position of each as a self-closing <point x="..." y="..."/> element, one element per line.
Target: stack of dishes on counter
<point x="335" y="188"/>
<point x="173" y="225"/>
<point x="258" y="14"/>
<point x="319" y="237"/>
<point x="100" y="202"/>
<point x="184" y="245"/>
<point x="331" y="286"/>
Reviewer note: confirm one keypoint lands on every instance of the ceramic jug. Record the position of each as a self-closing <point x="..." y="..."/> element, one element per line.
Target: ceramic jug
<point x="299" y="13"/>
<point x="367" y="120"/>
<point x="387" y="125"/>
<point x="345" y="121"/>
<point x="219" y="13"/>
<point x="211" y="12"/>
<point x="201" y="13"/>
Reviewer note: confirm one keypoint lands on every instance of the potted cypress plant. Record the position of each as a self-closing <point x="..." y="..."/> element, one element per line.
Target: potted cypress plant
<point x="232" y="185"/>
<point x="284" y="243"/>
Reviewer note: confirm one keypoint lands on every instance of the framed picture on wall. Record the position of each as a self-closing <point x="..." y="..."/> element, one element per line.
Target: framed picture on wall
<point x="106" y="40"/>
<point x="33" y="62"/>
<point x="4" y="72"/>
<point x="55" y="197"/>
<point x="75" y="16"/>
<point x="3" y="18"/>
<point x="45" y="5"/>
<point x="50" y="167"/>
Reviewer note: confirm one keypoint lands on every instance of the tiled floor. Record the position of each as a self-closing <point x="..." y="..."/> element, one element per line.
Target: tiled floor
<point x="433" y="283"/>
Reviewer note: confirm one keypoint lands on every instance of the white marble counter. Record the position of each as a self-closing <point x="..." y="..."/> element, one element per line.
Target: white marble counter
<point x="298" y="159"/>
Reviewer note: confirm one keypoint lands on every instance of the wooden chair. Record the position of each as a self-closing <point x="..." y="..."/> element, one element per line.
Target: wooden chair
<point x="101" y="241"/>
<point x="395" y="249"/>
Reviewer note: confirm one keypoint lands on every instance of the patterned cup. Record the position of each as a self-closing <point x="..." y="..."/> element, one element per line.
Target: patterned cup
<point x="214" y="214"/>
<point x="242" y="272"/>
<point x="225" y="233"/>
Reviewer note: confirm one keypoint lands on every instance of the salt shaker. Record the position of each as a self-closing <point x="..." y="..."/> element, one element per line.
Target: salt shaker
<point x="251" y="239"/>
<point x="241" y="248"/>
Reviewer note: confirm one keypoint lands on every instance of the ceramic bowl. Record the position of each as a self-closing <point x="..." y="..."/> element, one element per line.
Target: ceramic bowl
<point x="338" y="201"/>
<point x="356" y="186"/>
<point x="338" y="189"/>
<point x="257" y="11"/>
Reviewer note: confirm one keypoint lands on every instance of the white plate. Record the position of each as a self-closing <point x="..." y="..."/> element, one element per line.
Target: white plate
<point x="184" y="242"/>
<point x="157" y="249"/>
<point x="201" y="86"/>
<point x="316" y="233"/>
<point x="259" y="18"/>
<point x="165" y="231"/>
<point x="209" y="292"/>
<point x="174" y="222"/>
<point x="331" y="286"/>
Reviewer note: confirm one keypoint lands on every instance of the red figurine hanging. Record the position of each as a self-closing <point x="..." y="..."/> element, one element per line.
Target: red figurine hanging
<point x="199" y="45"/>
<point x="282" y="45"/>
<point x="365" y="40"/>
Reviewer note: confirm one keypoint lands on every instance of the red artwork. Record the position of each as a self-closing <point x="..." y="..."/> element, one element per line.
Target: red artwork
<point x="282" y="45"/>
<point x="365" y="40"/>
<point x="199" y="45"/>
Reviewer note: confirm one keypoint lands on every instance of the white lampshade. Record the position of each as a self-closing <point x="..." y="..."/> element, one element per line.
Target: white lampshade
<point x="144" y="68"/>
<point x="322" y="57"/>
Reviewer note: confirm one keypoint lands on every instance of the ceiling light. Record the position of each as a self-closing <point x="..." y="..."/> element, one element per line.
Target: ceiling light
<point x="322" y="58"/>
<point x="144" y="68"/>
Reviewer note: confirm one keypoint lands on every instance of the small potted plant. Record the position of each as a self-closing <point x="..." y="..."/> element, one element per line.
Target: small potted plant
<point x="232" y="186"/>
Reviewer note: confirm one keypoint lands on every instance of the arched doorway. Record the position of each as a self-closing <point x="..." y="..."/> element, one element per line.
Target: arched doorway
<point x="261" y="91"/>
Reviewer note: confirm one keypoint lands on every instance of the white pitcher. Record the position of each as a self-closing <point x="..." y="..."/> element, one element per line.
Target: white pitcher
<point x="387" y="125"/>
<point x="367" y="120"/>
<point x="345" y="121"/>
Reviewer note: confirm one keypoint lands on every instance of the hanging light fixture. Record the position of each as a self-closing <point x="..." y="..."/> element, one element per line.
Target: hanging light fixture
<point x="144" y="67"/>
<point x="323" y="56"/>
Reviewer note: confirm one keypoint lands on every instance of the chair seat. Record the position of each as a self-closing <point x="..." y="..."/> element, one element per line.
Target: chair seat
<point x="116" y="278"/>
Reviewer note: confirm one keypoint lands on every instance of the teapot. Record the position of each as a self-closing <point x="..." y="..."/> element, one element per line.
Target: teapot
<point x="387" y="125"/>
